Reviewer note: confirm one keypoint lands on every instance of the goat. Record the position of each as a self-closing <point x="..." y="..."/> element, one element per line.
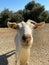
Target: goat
<point x="24" y="39"/>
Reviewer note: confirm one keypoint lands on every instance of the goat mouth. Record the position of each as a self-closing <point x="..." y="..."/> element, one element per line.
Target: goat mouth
<point x="25" y="43"/>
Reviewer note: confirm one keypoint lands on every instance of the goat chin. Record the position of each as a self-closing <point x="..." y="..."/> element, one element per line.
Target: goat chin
<point x="26" y="45"/>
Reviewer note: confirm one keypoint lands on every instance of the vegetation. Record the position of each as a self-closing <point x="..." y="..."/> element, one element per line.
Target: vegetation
<point x="32" y="10"/>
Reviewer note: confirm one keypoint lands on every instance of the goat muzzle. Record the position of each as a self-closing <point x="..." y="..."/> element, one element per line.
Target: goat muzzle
<point x="26" y="38"/>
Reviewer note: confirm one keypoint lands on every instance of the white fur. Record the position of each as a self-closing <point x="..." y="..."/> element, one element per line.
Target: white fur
<point x="23" y="53"/>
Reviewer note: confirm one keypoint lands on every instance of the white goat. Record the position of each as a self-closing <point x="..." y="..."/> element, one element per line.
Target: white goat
<point x="24" y="40"/>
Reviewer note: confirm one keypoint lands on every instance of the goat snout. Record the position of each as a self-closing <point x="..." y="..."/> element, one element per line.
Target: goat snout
<point x="26" y="38"/>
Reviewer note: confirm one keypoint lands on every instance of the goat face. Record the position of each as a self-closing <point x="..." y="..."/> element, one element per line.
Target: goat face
<point x="25" y="31"/>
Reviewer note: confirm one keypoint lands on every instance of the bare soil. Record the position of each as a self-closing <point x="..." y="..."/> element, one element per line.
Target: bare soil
<point x="39" y="50"/>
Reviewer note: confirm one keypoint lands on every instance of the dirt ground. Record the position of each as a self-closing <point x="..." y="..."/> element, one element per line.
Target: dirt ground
<point x="39" y="50"/>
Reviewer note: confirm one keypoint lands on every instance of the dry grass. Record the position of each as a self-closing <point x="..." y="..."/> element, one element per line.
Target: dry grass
<point x="39" y="51"/>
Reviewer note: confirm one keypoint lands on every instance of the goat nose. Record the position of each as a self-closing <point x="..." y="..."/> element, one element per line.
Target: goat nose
<point x="26" y="37"/>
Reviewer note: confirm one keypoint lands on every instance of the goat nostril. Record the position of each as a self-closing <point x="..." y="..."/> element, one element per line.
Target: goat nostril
<point x="23" y="38"/>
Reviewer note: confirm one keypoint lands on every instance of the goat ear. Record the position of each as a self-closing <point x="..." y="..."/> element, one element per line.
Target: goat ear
<point x="12" y="25"/>
<point x="41" y="24"/>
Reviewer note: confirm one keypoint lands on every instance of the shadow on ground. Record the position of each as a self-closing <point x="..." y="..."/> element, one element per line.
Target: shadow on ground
<point x="3" y="58"/>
